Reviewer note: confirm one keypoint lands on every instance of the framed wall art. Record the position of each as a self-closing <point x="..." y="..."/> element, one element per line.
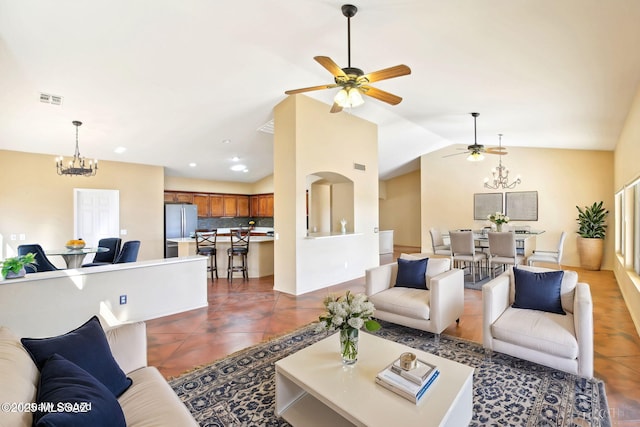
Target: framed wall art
<point x="521" y="205"/>
<point x="485" y="204"/>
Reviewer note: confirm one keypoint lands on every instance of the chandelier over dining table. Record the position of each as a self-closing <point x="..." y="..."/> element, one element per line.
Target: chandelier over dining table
<point x="500" y="174"/>
<point x="77" y="166"/>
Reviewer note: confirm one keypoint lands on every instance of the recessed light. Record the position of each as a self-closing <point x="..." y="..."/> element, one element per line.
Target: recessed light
<point x="238" y="168"/>
<point x="235" y="158"/>
<point x="226" y="141"/>
<point x="120" y="150"/>
<point x="246" y="170"/>
<point x="193" y="165"/>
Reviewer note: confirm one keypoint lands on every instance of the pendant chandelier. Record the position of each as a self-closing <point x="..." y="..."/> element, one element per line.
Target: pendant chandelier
<point x="76" y="166"/>
<point x="500" y="174"/>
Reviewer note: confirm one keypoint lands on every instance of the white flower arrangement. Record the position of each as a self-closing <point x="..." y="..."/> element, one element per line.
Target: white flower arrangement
<point x="348" y="311"/>
<point x="498" y="218"/>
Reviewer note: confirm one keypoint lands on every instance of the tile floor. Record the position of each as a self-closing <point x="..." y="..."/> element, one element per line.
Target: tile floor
<point x="244" y="313"/>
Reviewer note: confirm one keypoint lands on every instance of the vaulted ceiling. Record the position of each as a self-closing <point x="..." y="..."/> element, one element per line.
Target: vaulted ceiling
<point x="192" y="81"/>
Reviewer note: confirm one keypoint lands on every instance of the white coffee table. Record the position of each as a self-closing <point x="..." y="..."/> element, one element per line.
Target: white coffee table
<point x="313" y="388"/>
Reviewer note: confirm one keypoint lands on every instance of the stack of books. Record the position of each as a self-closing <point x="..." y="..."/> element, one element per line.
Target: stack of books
<point x="411" y="384"/>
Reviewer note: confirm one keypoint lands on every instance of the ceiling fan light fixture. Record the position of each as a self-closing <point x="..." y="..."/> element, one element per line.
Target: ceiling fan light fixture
<point x="349" y="98"/>
<point x="475" y="157"/>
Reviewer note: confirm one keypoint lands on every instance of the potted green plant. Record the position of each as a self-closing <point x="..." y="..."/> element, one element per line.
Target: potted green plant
<point x="14" y="267"/>
<point x="591" y="232"/>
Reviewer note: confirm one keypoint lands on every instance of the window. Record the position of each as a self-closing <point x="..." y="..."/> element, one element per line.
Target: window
<point x="636" y="227"/>
<point x="619" y="222"/>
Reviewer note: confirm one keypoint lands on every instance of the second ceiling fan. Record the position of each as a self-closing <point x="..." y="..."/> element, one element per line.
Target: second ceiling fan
<point x="353" y="81"/>
<point x="476" y="151"/>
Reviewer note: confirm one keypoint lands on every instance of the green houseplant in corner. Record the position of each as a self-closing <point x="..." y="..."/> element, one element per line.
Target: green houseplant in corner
<point x="591" y="233"/>
<point x="14" y="267"/>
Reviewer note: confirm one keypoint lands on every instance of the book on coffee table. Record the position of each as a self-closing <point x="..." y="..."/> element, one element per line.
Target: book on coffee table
<point x="403" y="386"/>
<point x="418" y="375"/>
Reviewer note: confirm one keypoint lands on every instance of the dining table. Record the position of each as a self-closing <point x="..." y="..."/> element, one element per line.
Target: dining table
<point x="525" y="239"/>
<point x="74" y="257"/>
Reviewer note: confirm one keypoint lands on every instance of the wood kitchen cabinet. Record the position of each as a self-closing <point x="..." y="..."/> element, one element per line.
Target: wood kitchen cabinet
<point x="178" y="197"/>
<point x="202" y="202"/>
<point x="266" y="205"/>
<point x="230" y="203"/>
<point x="216" y="205"/>
<point x="254" y="206"/>
<point x="243" y="206"/>
<point x="262" y="205"/>
<point x="211" y="205"/>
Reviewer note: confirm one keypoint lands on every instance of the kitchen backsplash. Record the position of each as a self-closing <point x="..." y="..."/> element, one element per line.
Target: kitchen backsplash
<point x="210" y="223"/>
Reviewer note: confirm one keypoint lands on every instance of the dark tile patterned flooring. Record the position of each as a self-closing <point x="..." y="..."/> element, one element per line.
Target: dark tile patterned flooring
<point x="244" y="313"/>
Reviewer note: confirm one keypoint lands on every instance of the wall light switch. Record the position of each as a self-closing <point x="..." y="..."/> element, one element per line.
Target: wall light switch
<point x="123" y="232"/>
<point x="123" y="299"/>
<point x="14" y="237"/>
<point x="23" y="236"/>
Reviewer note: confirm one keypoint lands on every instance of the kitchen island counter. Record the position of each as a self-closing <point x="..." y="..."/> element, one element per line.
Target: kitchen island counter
<point x="259" y="259"/>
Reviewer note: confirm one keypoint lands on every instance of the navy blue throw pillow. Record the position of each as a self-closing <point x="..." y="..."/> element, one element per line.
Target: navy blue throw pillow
<point x="88" y="348"/>
<point x="411" y="273"/>
<point x="76" y="397"/>
<point x="538" y="291"/>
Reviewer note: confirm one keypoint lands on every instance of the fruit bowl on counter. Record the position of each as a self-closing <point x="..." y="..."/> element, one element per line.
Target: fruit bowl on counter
<point x="75" y="244"/>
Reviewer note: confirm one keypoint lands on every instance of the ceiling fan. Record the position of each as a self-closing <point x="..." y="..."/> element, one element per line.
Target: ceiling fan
<point x="476" y="151"/>
<point x="353" y="81"/>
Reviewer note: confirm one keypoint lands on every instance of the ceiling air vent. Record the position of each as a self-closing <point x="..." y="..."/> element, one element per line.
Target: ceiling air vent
<point x="359" y="167"/>
<point x="267" y="127"/>
<point x="50" y="99"/>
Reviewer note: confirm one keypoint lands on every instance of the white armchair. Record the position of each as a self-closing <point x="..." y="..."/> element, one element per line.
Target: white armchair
<point x="563" y="342"/>
<point x="431" y="309"/>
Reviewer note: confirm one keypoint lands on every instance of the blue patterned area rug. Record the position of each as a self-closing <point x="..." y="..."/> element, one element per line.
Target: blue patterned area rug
<point x="240" y="389"/>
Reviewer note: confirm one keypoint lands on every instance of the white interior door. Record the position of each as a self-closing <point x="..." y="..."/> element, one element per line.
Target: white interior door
<point x="97" y="214"/>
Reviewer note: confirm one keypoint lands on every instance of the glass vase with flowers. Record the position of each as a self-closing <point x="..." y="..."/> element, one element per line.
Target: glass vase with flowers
<point x="348" y="314"/>
<point x="498" y="219"/>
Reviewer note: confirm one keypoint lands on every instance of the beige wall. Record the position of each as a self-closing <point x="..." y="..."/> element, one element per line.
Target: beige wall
<point x="177" y="183"/>
<point x="627" y="169"/>
<point x="35" y="201"/>
<point x="563" y="179"/>
<point x="308" y="139"/>
<point x="400" y="208"/>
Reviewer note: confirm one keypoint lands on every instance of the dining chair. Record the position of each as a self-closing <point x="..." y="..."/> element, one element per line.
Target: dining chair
<point x="206" y="245"/>
<point x="437" y="243"/>
<point x="549" y="256"/>
<point x="42" y="262"/>
<point x="502" y="251"/>
<point x="463" y="251"/>
<point x="108" y="257"/>
<point x="239" y="248"/>
<point x="129" y="252"/>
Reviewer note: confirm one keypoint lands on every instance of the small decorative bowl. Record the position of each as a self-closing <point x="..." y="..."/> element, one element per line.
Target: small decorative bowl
<point x="76" y="246"/>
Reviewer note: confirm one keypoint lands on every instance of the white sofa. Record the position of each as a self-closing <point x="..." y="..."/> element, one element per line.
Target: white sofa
<point x="432" y="309"/>
<point x="563" y="342"/>
<point x="149" y="401"/>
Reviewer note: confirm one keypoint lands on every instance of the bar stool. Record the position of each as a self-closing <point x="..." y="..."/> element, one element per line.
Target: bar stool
<point x="239" y="248"/>
<point x="206" y="245"/>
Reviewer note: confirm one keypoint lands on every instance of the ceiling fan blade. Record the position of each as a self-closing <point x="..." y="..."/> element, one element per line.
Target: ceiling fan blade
<point x="331" y="66"/>
<point x="309" y="89"/>
<point x="497" y="150"/>
<point x="335" y="108"/>
<point x="387" y="73"/>
<point x="455" y="154"/>
<point x="381" y="95"/>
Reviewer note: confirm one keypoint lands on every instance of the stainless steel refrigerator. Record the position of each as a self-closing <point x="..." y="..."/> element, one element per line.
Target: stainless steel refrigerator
<point x="180" y="221"/>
